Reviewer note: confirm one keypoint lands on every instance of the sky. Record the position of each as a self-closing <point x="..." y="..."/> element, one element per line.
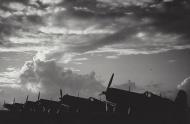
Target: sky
<point x="76" y="45"/>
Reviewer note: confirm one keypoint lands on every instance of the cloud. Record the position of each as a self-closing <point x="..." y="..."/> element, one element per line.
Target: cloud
<point x="9" y="77"/>
<point x="112" y="57"/>
<point x="64" y="31"/>
<point x="171" y="61"/>
<point x="48" y="77"/>
<point x="48" y="1"/>
<point x="68" y="57"/>
<point x="16" y="6"/>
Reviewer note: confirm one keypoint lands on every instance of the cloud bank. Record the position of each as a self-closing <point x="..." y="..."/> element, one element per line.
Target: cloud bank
<point x="82" y="26"/>
<point x="48" y="77"/>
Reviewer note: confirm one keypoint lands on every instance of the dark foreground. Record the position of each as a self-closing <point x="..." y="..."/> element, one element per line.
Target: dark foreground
<point x="120" y="107"/>
<point x="7" y="117"/>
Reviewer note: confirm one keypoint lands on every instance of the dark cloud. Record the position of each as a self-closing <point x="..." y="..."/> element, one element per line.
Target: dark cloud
<point x="167" y="17"/>
<point x="13" y="25"/>
<point x="93" y="10"/>
<point x="163" y="17"/>
<point x="19" y="1"/>
<point x="122" y="36"/>
<point x="152" y="17"/>
<point x="4" y="4"/>
<point x="170" y="16"/>
<point x="6" y="30"/>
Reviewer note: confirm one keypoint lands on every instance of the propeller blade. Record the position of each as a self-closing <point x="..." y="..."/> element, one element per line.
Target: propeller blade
<point x="26" y="98"/>
<point x="109" y="84"/>
<point x="61" y="93"/>
<point x="14" y="101"/>
<point x="38" y="96"/>
<point x="78" y="94"/>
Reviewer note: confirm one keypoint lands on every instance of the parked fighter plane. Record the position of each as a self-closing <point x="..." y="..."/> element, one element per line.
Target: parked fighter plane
<point x="79" y="104"/>
<point x="132" y="103"/>
<point x="17" y="107"/>
<point x="51" y="106"/>
<point x="8" y="106"/>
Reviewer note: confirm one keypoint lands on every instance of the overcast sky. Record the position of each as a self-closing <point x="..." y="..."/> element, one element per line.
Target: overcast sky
<point x="76" y="45"/>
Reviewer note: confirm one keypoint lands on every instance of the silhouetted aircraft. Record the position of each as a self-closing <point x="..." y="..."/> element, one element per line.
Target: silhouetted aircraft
<point x="14" y="107"/>
<point x="50" y="106"/>
<point x="79" y="104"/>
<point x="132" y="103"/>
<point x="8" y="106"/>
